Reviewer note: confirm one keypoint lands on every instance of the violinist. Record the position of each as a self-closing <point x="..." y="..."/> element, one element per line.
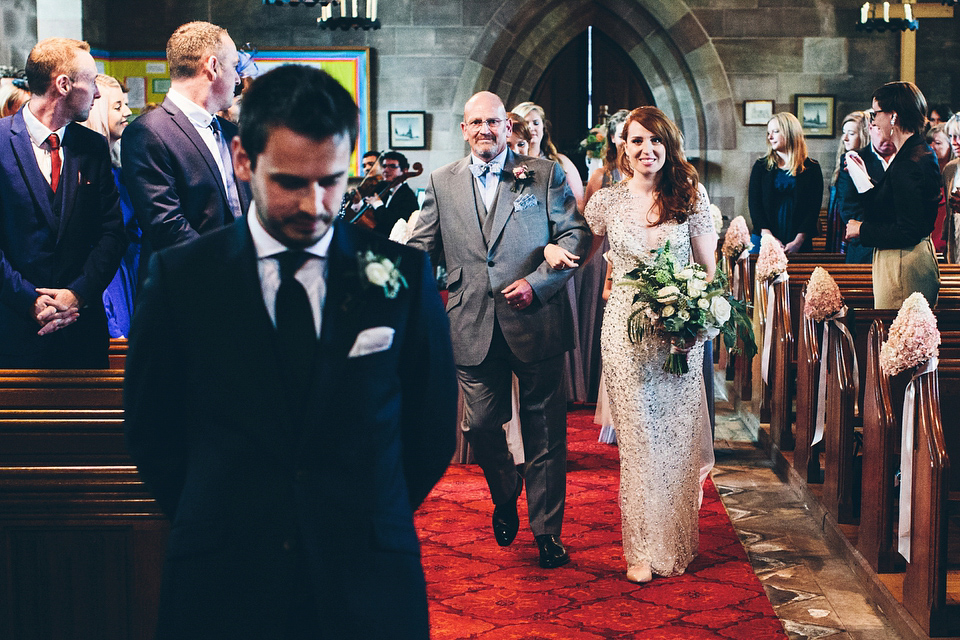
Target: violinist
<point x="371" y="163"/>
<point x="399" y="201"/>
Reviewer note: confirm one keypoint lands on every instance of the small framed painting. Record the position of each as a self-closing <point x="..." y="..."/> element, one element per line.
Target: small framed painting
<point x="757" y="112"/>
<point x="407" y="129"/>
<point x="815" y="113"/>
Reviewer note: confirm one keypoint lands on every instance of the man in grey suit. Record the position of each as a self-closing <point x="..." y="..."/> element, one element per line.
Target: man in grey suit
<point x="488" y="218"/>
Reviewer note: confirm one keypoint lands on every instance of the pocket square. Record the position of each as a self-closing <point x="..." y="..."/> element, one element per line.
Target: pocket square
<point x="525" y="201"/>
<point x="372" y="340"/>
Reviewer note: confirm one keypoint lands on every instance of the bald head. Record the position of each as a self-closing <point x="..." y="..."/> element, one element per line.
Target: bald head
<point x="485" y="125"/>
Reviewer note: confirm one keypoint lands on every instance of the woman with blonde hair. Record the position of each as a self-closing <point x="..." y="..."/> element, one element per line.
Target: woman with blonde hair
<point x="845" y="202"/>
<point x="12" y="97"/>
<point x="951" y="189"/>
<point x="786" y="187"/>
<point x="108" y="117"/>
<point x="542" y="147"/>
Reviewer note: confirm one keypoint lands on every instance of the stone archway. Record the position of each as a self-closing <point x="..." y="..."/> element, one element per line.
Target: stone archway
<point x="664" y="39"/>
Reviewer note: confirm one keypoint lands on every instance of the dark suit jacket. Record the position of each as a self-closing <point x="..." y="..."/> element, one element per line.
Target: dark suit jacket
<point x="264" y="498"/>
<point x="80" y="250"/>
<point x="901" y="209"/>
<point x="808" y="195"/>
<point x="401" y="205"/>
<point x="174" y="182"/>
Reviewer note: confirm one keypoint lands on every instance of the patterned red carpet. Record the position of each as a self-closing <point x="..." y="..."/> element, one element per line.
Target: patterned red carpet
<point x="479" y="590"/>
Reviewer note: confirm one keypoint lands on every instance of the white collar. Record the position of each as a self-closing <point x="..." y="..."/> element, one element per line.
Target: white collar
<point x="199" y="116"/>
<point x="37" y="130"/>
<point x="501" y="158"/>
<point x="267" y="246"/>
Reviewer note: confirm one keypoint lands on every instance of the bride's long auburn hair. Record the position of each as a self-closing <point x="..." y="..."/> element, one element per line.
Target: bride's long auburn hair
<point x="677" y="184"/>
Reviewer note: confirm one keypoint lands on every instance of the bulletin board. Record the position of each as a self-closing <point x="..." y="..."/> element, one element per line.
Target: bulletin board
<point x="146" y="77"/>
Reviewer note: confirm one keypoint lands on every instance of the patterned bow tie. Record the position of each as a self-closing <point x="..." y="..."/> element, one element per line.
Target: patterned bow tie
<point x="481" y="170"/>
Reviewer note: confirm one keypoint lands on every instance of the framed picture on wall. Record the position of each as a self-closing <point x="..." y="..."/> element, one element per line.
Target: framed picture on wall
<point x="815" y="113"/>
<point x="757" y="112"/>
<point x="407" y="129"/>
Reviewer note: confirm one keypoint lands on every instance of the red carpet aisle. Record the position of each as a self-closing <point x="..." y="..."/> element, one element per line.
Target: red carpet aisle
<point x="478" y="590"/>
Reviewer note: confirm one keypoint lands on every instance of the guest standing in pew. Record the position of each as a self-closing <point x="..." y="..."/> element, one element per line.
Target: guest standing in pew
<point x="61" y="229"/>
<point x="109" y="118"/>
<point x="663" y="431"/>
<point x="900" y="209"/>
<point x="845" y="201"/>
<point x="315" y="401"/>
<point x="951" y="189"/>
<point x="176" y="159"/>
<point x="488" y="217"/>
<point x="786" y="187"/>
<point x="939" y="141"/>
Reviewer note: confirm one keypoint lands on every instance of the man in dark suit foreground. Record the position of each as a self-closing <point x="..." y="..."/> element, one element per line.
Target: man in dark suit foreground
<point x="291" y="466"/>
<point x="61" y="230"/>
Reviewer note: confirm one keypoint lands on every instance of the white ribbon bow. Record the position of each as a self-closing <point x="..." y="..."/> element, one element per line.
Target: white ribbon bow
<point x="768" y="328"/>
<point x="906" y="458"/>
<point x="822" y="388"/>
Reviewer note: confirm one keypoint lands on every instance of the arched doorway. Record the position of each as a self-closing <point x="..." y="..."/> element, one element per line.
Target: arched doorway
<point x="567" y="84"/>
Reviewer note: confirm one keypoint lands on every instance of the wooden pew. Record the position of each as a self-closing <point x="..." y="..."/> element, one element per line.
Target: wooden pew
<point x="81" y="540"/>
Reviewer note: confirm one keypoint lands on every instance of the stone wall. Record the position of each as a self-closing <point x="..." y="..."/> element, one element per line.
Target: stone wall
<point x="702" y="59"/>
<point x="18" y="24"/>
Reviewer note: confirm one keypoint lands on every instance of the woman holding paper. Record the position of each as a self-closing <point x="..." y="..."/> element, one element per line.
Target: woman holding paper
<point x="901" y="208"/>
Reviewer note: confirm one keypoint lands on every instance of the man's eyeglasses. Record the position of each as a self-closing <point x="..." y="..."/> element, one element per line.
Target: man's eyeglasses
<point x="392" y="166"/>
<point x="493" y="123"/>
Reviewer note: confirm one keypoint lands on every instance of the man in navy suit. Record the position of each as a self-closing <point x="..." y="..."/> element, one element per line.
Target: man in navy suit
<point x="316" y="398"/>
<point x="61" y="229"/>
<point x="176" y="158"/>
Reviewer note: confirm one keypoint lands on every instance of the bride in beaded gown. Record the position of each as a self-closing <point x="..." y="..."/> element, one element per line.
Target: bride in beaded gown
<point x="658" y="416"/>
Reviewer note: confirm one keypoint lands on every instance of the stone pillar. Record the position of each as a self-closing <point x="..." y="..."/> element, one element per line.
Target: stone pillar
<point x="59" y="18"/>
<point x="18" y="24"/>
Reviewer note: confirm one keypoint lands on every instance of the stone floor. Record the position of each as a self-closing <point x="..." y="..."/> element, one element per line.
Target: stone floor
<point x="812" y="587"/>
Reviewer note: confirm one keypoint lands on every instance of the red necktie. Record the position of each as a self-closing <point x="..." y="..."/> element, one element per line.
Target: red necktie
<point x="54" y="141"/>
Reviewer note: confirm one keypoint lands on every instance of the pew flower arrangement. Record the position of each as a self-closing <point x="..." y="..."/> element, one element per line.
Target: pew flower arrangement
<point x="823" y="298"/>
<point x="717" y="217"/>
<point x="737" y="239"/>
<point x="772" y="261"/>
<point x="679" y="304"/>
<point x="913" y="339"/>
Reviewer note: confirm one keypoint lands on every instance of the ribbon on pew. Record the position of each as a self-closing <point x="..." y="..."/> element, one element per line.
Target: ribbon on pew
<point x="906" y="458"/>
<point x="768" y="327"/>
<point x="737" y="288"/>
<point x="835" y="319"/>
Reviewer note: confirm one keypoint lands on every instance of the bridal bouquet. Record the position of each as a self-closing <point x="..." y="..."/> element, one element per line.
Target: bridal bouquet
<point x="913" y="339"/>
<point x="823" y="298"/>
<point x="737" y="238"/>
<point x="677" y="302"/>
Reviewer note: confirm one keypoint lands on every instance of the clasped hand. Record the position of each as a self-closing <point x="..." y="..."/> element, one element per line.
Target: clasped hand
<point x="55" y="309"/>
<point x="559" y="258"/>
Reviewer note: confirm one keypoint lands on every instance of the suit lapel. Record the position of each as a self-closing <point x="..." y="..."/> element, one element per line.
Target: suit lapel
<point x="190" y="131"/>
<point x="469" y="224"/>
<point x="70" y="177"/>
<point x="505" y="198"/>
<point x="27" y="159"/>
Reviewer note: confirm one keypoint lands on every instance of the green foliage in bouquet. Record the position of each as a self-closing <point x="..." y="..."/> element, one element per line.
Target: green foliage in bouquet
<point x="593" y="144"/>
<point x="680" y="304"/>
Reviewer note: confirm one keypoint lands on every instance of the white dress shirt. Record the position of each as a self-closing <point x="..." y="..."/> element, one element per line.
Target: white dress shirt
<point x="312" y="275"/>
<point x="488" y="186"/>
<point x="41" y="148"/>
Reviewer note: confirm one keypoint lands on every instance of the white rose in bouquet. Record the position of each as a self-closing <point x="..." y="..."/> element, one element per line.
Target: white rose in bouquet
<point x="720" y="309"/>
<point x="668" y="294"/>
<point x="668" y="311"/>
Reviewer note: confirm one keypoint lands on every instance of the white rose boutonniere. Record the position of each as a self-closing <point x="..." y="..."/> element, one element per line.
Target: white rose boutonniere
<point x="382" y="272"/>
<point x="522" y="176"/>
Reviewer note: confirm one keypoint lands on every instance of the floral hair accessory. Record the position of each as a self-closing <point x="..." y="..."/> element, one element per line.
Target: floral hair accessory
<point x="522" y="177"/>
<point x="737" y="239"/>
<point x="772" y="261"/>
<point x="823" y="298"/>
<point x="913" y="337"/>
<point x="382" y="272"/>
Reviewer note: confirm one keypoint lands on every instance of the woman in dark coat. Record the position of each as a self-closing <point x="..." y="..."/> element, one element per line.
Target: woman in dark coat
<point x="901" y="208"/>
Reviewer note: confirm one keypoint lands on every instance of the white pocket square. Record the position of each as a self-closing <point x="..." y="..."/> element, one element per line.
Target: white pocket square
<point x="372" y="340"/>
<point x="525" y="201"/>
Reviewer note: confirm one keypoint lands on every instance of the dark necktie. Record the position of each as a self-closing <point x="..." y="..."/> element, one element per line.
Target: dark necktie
<point x="295" y="328"/>
<point x="54" y="141"/>
<point x="233" y="198"/>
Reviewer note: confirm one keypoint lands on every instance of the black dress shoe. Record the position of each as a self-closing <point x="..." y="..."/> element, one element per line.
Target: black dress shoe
<point x="506" y="522"/>
<point x="552" y="552"/>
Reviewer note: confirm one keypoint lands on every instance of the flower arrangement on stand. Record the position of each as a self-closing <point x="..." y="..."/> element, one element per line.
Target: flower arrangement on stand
<point x="823" y="299"/>
<point x="593" y="145"/>
<point x="772" y="261"/>
<point x="679" y="304"/>
<point x="737" y="239"/>
<point x="913" y="339"/>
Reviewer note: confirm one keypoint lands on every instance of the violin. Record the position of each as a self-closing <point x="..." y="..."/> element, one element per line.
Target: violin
<point x="364" y="216"/>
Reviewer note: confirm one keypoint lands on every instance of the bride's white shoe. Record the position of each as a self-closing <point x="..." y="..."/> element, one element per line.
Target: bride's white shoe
<point x="640" y="573"/>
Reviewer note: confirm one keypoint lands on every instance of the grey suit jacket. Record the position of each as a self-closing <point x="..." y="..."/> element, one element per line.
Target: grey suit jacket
<point x="540" y="211"/>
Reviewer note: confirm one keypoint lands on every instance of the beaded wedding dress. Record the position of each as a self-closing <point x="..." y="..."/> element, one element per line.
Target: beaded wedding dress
<point x="658" y="416"/>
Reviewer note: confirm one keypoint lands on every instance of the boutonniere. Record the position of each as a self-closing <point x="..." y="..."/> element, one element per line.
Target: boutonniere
<point x="522" y="176"/>
<point x="381" y="272"/>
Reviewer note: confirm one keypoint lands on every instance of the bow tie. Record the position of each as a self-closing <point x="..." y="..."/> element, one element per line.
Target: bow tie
<point x="481" y="170"/>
